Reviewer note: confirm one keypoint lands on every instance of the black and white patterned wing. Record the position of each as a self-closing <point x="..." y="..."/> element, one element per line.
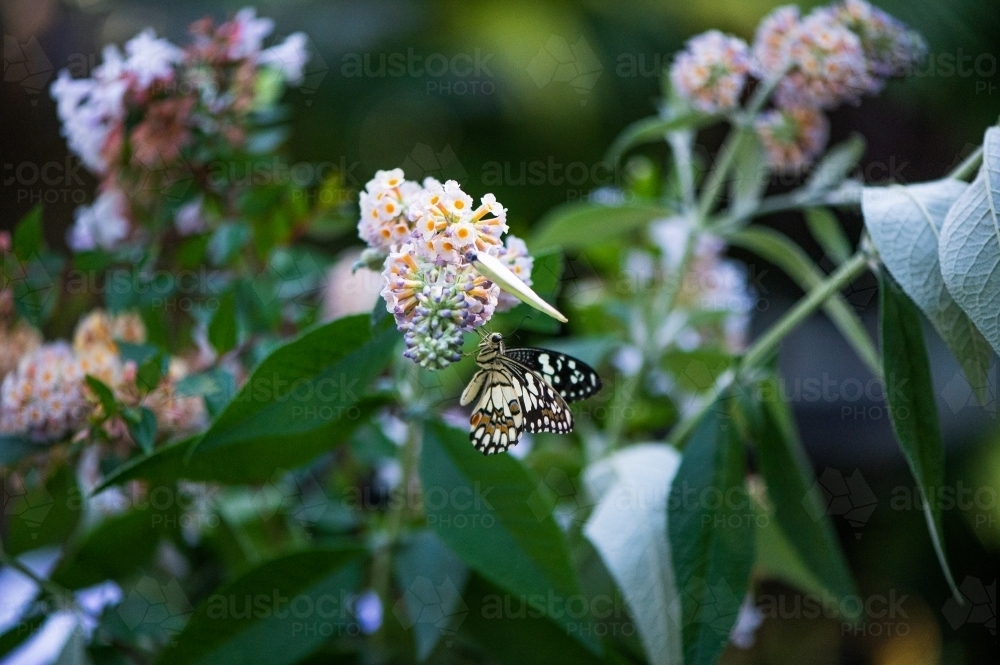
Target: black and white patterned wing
<point x="572" y="378"/>
<point x="544" y="409"/>
<point x="511" y="400"/>
<point x="498" y="414"/>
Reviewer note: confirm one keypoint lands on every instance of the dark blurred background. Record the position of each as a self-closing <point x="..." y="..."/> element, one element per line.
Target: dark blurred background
<point x="481" y="92"/>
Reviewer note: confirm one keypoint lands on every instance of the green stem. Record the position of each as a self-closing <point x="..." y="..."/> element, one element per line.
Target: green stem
<point x="968" y="165"/>
<point x="766" y="344"/>
<point x="713" y="185"/>
<point x="396" y="519"/>
<point x="769" y="341"/>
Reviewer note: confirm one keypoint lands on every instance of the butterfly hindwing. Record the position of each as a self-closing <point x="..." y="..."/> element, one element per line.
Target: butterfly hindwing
<point x="573" y="379"/>
<point x="498" y="417"/>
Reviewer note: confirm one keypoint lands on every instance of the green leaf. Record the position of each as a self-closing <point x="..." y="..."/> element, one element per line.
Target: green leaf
<point x="275" y="614"/>
<point x="778" y="249"/>
<point x="39" y="514"/>
<point x="912" y="410"/>
<point x="28" y="240"/>
<point x="227" y="240"/>
<point x="835" y="166"/>
<point x="904" y="223"/>
<point x="141" y="423"/>
<point x="430" y="579"/>
<point x="825" y="228"/>
<point x="630" y="533"/>
<point x="969" y="246"/>
<point x="114" y="549"/>
<point x="104" y="395"/>
<point x="255" y="463"/>
<point x="223" y="332"/>
<point x="304" y="391"/>
<point x="711" y="537"/>
<point x="515" y="630"/>
<point x="578" y="225"/>
<point x="652" y="129"/>
<point x="151" y="371"/>
<point x="791" y="486"/>
<point x="479" y="506"/>
<point x="749" y="176"/>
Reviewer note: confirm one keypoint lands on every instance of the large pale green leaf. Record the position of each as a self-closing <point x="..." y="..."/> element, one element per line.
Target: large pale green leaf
<point x="577" y="225"/>
<point x="912" y="410"/>
<point x="275" y="614"/>
<point x="430" y="579"/>
<point x="304" y="391"/>
<point x="791" y="486"/>
<point x="904" y="223"/>
<point x="629" y="530"/>
<point x="479" y="506"/>
<point x="711" y="537"/>
<point x="970" y="245"/>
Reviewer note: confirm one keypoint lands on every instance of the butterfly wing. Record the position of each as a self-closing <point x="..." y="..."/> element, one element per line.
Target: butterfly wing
<point x="513" y="399"/>
<point x="544" y="409"/>
<point x="573" y="379"/>
<point x="498" y="417"/>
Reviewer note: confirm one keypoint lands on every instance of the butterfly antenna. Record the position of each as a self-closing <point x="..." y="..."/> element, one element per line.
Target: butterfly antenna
<point x="526" y="316"/>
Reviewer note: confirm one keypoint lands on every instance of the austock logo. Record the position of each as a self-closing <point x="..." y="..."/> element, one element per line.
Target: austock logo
<point x="151" y="605"/>
<point x="980" y="606"/>
<point x="559" y="62"/>
<point x="850" y="498"/>
<point x="423" y="162"/>
<point x="439" y="607"/>
<point x="714" y="604"/>
<point x="26" y="64"/>
<point x="32" y="505"/>
<point x="558" y="495"/>
<point x="300" y="495"/>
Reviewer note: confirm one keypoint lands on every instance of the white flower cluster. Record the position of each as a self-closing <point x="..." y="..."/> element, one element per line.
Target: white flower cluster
<point x="46" y="396"/>
<point x="424" y="233"/>
<point x="170" y="90"/>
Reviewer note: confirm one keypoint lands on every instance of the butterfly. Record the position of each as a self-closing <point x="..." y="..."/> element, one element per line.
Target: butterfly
<point x="518" y="390"/>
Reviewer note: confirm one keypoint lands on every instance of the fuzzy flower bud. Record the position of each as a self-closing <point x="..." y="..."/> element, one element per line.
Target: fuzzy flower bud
<point x="384" y="202"/>
<point x="827" y="65"/>
<point x="793" y="137"/>
<point x="435" y="304"/>
<point x="892" y="48"/>
<point x="711" y="72"/>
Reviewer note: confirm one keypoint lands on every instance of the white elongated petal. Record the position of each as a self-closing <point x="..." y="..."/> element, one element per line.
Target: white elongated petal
<point x="491" y="268"/>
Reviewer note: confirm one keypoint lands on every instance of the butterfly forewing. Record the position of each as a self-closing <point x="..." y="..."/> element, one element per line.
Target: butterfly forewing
<point x="573" y="379"/>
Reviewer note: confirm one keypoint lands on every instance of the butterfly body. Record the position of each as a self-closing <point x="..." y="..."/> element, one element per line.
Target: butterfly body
<point x="518" y="390"/>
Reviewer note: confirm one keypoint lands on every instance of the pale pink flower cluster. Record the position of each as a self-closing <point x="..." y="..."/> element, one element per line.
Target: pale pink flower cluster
<point x="46" y="397"/>
<point x="712" y="71"/>
<point x="166" y="93"/>
<point x="833" y="55"/>
<point x="793" y="137"/>
<point x="423" y="234"/>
